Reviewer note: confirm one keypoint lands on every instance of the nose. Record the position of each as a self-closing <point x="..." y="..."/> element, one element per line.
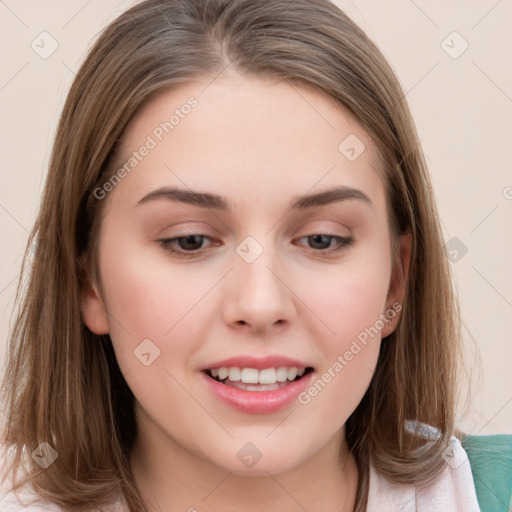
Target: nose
<point x="259" y="297"/>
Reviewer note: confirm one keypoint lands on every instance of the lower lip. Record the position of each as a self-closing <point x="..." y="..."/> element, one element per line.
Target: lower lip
<point x="258" y="402"/>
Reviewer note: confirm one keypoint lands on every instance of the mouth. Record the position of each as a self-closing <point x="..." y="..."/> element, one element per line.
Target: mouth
<point x="253" y="379"/>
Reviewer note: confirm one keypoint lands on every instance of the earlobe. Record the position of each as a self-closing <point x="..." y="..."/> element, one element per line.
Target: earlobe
<point x="397" y="285"/>
<point x="94" y="312"/>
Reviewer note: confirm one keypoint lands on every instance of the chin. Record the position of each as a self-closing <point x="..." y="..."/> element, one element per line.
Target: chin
<point x="248" y="460"/>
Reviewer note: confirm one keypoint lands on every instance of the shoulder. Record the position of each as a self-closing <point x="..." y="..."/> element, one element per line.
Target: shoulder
<point x="24" y="498"/>
<point x="491" y="465"/>
<point x="487" y="460"/>
<point x="27" y="500"/>
<point x="454" y="489"/>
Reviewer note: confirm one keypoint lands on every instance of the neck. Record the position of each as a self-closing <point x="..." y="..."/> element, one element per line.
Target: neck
<point x="170" y="477"/>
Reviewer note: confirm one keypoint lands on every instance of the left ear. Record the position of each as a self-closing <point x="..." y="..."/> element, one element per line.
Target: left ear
<point x="397" y="284"/>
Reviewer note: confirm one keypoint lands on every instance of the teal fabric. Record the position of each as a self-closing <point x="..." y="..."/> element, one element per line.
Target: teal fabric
<point x="490" y="458"/>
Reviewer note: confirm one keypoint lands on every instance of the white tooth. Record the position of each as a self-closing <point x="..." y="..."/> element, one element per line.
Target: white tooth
<point x="223" y="373"/>
<point x="214" y="372"/>
<point x="234" y="374"/>
<point x="267" y="376"/>
<point x="292" y="373"/>
<point x="300" y="373"/>
<point x="281" y="374"/>
<point x="249" y="375"/>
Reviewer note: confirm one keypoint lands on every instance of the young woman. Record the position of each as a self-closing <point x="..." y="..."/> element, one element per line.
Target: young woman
<point x="239" y="298"/>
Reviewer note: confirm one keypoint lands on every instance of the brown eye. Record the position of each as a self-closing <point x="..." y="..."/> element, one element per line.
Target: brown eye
<point x="190" y="242"/>
<point x="321" y="242"/>
<point x="187" y="245"/>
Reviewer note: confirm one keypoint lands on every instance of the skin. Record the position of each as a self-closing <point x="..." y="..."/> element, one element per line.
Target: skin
<point x="259" y="144"/>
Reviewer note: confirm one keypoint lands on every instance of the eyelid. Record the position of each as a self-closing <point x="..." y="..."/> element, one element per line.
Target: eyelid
<point x="185" y="228"/>
<point x="166" y="244"/>
<point x="324" y="226"/>
<point x="212" y="238"/>
<point x="342" y="244"/>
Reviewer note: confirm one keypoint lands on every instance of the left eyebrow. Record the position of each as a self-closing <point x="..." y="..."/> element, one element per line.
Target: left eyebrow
<point x="217" y="202"/>
<point x="332" y="195"/>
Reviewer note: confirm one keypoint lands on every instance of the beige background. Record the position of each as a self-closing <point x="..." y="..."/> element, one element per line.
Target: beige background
<point x="462" y="107"/>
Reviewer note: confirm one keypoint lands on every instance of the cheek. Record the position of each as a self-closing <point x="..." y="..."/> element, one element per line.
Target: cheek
<point x="351" y="307"/>
<point x="151" y="300"/>
<point x="157" y="314"/>
<point x="351" y="342"/>
<point x="348" y="297"/>
<point x="349" y="301"/>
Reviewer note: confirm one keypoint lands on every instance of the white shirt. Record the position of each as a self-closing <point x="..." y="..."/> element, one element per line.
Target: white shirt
<point x="453" y="491"/>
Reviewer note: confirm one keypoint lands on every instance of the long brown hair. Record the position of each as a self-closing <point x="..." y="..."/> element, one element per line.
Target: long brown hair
<point x="62" y="383"/>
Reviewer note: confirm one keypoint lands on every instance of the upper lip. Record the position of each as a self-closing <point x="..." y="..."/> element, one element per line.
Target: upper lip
<point x="260" y="363"/>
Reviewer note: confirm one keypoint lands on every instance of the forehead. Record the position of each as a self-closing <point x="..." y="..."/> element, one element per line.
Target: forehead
<point x="257" y="138"/>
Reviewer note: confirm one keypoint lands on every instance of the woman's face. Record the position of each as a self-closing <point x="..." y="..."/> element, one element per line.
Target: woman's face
<point x="259" y="283"/>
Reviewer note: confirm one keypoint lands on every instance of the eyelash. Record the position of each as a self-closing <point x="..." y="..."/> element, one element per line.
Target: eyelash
<point x="344" y="242"/>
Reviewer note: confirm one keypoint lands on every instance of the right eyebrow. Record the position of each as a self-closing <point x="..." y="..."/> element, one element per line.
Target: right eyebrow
<point x="201" y="199"/>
